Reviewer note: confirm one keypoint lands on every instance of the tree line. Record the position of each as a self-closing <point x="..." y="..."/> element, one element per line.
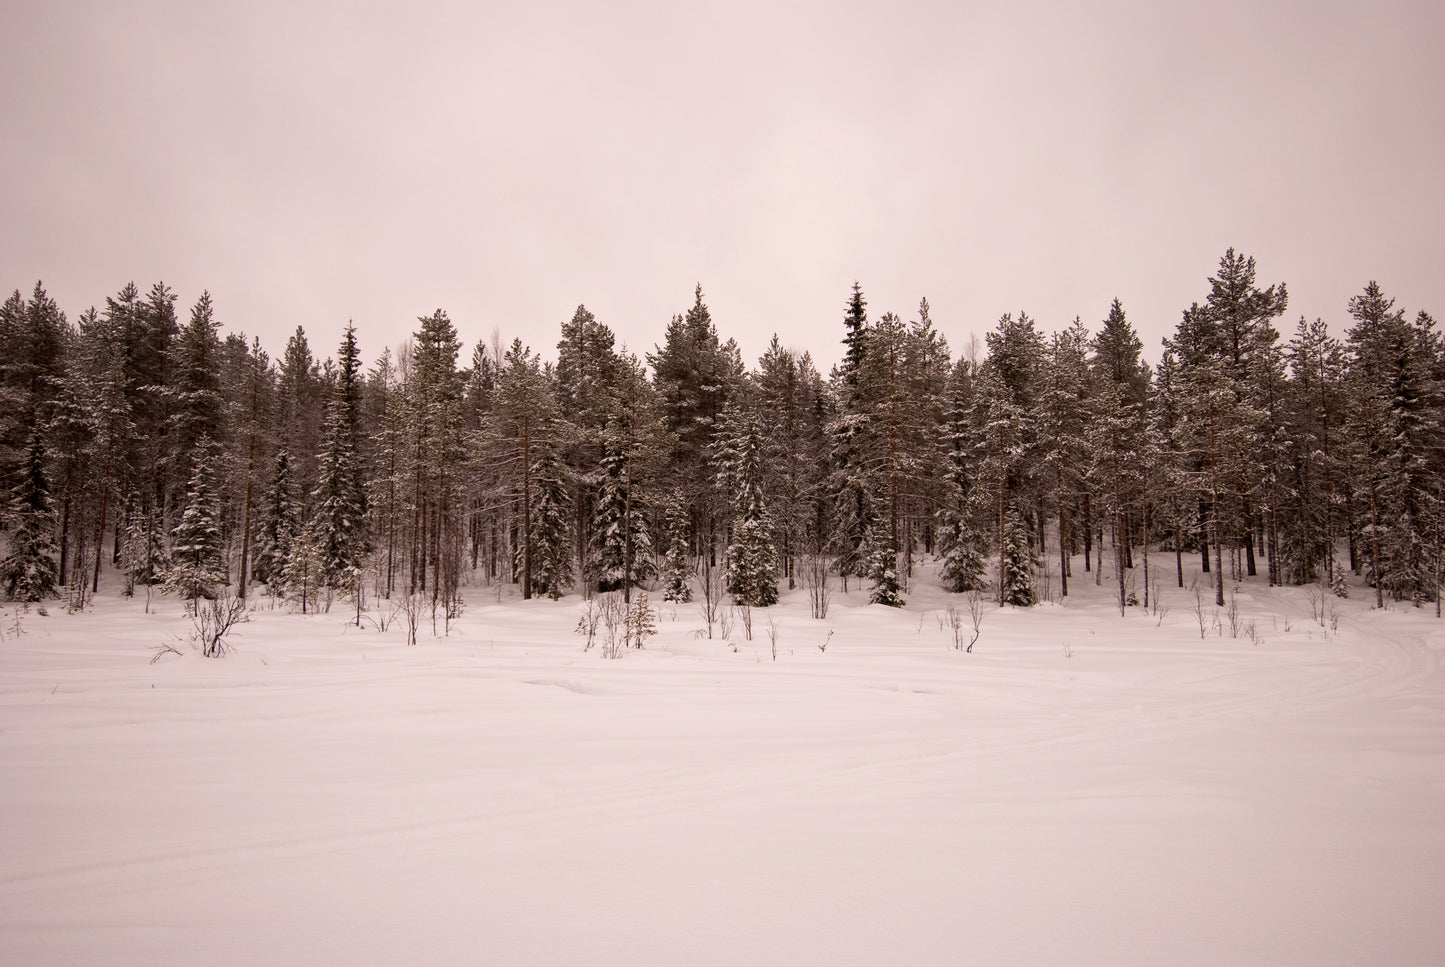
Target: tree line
<point x="195" y="462"/>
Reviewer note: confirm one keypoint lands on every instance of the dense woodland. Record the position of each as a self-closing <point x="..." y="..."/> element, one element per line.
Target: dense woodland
<point x="146" y="448"/>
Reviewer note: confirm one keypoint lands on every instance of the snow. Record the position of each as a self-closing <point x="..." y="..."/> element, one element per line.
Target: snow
<point x="1082" y="789"/>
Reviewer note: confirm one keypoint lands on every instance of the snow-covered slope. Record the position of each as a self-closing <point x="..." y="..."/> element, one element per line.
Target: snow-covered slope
<point x="1082" y="789"/>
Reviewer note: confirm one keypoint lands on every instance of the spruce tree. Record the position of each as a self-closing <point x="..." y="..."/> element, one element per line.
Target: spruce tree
<point x="1119" y="428"/>
<point x="551" y="534"/>
<point x="695" y="375"/>
<point x="636" y="451"/>
<point x="339" y="526"/>
<point x="1016" y="574"/>
<point x="961" y="541"/>
<point x="882" y="568"/>
<point x="278" y="524"/>
<point x="143" y="555"/>
<point x="29" y="572"/>
<point x="752" y="556"/>
<point x="675" y="567"/>
<point x="1396" y="423"/>
<point x="196" y="565"/>
<point x="623" y="541"/>
<point x="1316" y="419"/>
<point x="855" y="338"/>
<point x="523" y="422"/>
<point x="196" y="387"/>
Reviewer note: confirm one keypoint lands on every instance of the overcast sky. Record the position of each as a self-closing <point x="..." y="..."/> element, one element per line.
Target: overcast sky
<point x="312" y="163"/>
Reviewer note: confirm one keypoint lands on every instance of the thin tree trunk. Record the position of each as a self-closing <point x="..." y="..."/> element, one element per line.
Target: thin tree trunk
<point x="1063" y="529"/>
<point x="1375" y="545"/>
<point x="100" y="531"/>
<point x="526" y="510"/>
<point x="64" y="538"/>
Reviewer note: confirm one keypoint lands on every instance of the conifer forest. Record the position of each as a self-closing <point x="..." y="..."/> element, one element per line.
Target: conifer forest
<point x="141" y="445"/>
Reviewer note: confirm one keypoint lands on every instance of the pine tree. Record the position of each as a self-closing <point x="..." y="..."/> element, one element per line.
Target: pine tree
<point x="300" y="411"/>
<point x="523" y="421"/>
<point x="1119" y="427"/>
<point x="387" y="484"/>
<point x="196" y="389"/>
<point x="34" y="338"/>
<point x="551" y="533"/>
<point x="588" y="367"/>
<point x="196" y="565"/>
<point x="29" y="571"/>
<point x="1006" y="418"/>
<point x="1063" y="432"/>
<point x="635" y="453"/>
<point x="792" y="407"/>
<point x="1316" y="421"/>
<point x="434" y="412"/>
<point x="253" y="413"/>
<point x="695" y="375"/>
<point x="961" y="541"/>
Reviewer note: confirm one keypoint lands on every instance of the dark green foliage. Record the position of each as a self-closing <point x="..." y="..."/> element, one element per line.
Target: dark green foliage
<point x="882" y="570"/>
<point x="752" y="557"/>
<point x="676" y="567"/>
<point x="551" y="535"/>
<point x="339" y="525"/>
<point x="197" y="570"/>
<point x="29" y="571"/>
<point x="623" y="541"/>
<point x="1016" y="576"/>
<point x="278" y="524"/>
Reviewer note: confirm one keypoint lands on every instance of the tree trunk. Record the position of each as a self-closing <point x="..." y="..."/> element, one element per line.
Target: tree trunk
<point x="1063" y="529"/>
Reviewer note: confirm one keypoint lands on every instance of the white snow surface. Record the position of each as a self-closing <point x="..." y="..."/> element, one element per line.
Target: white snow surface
<point x="1082" y="789"/>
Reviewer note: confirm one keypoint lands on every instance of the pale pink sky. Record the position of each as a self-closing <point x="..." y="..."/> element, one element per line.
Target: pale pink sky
<point x="312" y="163"/>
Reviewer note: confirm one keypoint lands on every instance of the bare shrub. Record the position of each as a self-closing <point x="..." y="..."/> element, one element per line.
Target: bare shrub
<point x="773" y="635"/>
<point x="164" y="649"/>
<point x="827" y="638"/>
<point x="1231" y="612"/>
<point x="815" y="582"/>
<point x="1196" y="604"/>
<point x="711" y="584"/>
<point x="1315" y="594"/>
<point x="587" y="623"/>
<point x="413" y="607"/>
<point x="12" y="627"/>
<point x="745" y="618"/>
<point x="975" y="599"/>
<point x="213" y="620"/>
<point x="614" y="624"/>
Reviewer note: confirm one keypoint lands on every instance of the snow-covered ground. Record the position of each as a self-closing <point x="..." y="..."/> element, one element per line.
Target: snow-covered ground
<point x="1082" y="789"/>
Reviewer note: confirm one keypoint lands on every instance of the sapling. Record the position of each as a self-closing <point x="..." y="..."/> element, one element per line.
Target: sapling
<point x="1197" y="606"/>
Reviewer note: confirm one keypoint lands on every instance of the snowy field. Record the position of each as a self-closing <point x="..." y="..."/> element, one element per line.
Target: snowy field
<point x="1082" y="789"/>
